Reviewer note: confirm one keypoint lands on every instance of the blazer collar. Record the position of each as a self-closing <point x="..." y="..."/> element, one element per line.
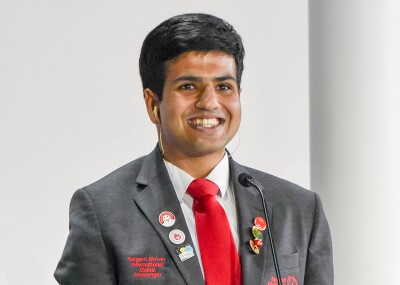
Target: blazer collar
<point x="158" y="195"/>
<point x="249" y="206"/>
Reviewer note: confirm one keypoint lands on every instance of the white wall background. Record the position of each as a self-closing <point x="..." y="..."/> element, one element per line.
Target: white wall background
<point x="355" y="133"/>
<point x="71" y="108"/>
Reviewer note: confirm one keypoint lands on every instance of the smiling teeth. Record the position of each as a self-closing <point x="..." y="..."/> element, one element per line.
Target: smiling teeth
<point x="207" y="123"/>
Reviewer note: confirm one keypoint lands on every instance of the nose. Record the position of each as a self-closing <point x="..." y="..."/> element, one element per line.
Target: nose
<point x="208" y="99"/>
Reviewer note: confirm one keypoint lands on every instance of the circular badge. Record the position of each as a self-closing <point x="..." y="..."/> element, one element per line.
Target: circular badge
<point x="260" y="223"/>
<point x="177" y="236"/>
<point x="256" y="233"/>
<point x="253" y="247"/>
<point x="258" y="242"/>
<point x="167" y="219"/>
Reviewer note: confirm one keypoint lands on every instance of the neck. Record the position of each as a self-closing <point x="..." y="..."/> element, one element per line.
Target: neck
<point x="197" y="167"/>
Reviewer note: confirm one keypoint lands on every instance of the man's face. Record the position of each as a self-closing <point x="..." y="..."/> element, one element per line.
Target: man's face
<point x="200" y="111"/>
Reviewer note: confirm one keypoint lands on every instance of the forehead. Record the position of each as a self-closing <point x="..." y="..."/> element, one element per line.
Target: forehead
<point x="202" y="63"/>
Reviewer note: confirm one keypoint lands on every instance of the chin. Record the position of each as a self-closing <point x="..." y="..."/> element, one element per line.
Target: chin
<point x="207" y="149"/>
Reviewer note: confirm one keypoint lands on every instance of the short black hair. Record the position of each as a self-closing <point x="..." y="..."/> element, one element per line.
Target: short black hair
<point x="184" y="33"/>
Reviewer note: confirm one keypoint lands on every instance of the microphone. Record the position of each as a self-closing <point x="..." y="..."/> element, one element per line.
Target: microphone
<point x="246" y="180"/>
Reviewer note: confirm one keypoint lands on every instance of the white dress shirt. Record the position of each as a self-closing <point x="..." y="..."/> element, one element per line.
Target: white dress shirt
<point x="220" y="176"/>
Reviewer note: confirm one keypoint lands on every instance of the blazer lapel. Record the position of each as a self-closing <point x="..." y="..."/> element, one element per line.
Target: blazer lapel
<point x="249" y="206"/>
<point x="157" y="196"/>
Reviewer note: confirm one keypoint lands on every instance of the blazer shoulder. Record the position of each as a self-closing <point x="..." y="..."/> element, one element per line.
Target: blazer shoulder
<point x="281" y="190"/>
<point x="121" y="178"/>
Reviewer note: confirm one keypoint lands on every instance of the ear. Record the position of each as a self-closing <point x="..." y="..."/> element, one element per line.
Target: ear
<point x="151" y="101"/>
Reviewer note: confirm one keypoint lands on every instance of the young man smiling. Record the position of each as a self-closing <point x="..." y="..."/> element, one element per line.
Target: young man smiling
<point x="179" y="215"/>
<point x="200" y="109"/>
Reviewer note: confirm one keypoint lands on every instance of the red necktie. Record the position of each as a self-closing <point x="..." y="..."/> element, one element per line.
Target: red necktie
<point x="219" y="256"/>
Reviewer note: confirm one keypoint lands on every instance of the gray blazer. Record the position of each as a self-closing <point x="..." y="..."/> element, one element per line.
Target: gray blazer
<point x="116" y="237"/>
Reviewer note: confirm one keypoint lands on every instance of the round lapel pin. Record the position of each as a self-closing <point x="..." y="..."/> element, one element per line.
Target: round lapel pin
<point x="260" y="223"/>
<point x="177" y="236"/>
<point x="167" y="219"/>
<point x="258" y="242"/>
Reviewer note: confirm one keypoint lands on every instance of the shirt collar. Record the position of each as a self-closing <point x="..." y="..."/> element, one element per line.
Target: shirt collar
<point x="181" y="180"/>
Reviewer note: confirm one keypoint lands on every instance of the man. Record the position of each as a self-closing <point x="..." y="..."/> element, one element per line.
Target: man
<point x="157" y="221"/>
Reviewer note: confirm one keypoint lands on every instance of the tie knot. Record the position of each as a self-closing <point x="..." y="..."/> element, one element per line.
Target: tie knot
<point x="200" y="188"/>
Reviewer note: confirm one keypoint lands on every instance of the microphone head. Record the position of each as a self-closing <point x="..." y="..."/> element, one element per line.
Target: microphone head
<point x="245" y="179"/>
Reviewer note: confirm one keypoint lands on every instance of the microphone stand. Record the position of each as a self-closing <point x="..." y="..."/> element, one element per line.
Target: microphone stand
<point x="246" y="180"/>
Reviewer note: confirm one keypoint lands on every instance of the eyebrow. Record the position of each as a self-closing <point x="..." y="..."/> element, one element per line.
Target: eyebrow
<point x="197" y="79"/>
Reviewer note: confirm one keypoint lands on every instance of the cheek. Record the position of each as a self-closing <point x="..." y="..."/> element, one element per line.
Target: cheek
<point x="234" y="108"/>
<point x="235" y="111"/>
<point x="173" y="115"/>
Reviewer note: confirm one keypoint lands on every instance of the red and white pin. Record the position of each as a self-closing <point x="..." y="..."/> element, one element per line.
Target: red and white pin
<point x="167" y="219"/>
<point x="260" y="223"/>
<point x="177" y="236"/>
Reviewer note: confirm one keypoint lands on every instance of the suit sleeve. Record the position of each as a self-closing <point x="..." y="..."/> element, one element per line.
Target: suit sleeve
<point x="85" y="260"/>
<point x="319" y="266"/>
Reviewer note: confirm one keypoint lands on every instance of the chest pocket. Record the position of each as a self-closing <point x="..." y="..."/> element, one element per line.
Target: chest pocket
<point x="289" y="269"/>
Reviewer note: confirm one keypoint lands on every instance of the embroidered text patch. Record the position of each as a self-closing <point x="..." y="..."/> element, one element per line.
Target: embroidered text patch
<point x="146" y="266"/>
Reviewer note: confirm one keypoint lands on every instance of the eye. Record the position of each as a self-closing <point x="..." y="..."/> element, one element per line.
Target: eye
<point x="187" y="86"/>
<point x="224" y="87"/>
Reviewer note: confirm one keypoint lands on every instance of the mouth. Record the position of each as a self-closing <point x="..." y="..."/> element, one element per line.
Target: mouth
<point x="205" y="123"/>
